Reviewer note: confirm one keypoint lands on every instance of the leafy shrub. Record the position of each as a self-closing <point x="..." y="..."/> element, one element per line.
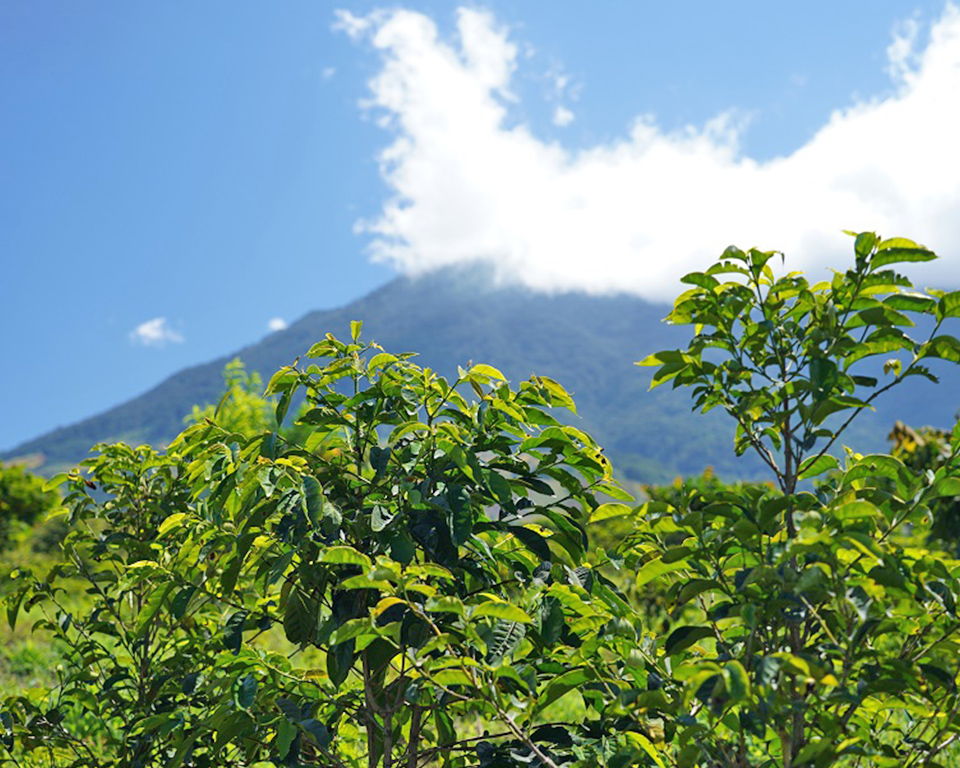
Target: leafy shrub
<point x="809" y="628"/>
<point x="928" y="449"/>
<point x="23" y="501"/>
<point x="405" y="585"/>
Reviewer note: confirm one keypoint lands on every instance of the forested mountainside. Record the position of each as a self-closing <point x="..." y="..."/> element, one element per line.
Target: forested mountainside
<point x="452" y="316"/>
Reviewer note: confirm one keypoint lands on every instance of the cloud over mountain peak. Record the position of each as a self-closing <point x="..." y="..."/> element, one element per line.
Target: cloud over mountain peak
<point x="635" y="213"/>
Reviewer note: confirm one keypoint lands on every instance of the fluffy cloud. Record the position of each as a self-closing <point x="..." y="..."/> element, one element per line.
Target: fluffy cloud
<point x="636" y="213"/>
<point x="562" y="117"/>
<point x="155" y="333"/>
<point x="276" y="324"/>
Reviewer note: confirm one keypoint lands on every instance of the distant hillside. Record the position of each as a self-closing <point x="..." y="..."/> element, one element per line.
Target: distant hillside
<point x="450" y="317"/>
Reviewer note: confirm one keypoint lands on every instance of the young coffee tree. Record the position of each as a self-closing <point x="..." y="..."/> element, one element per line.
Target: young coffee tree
<point x="929" y="448"/>
<point x="399" y="583"/>
<point x="810" y="626"/>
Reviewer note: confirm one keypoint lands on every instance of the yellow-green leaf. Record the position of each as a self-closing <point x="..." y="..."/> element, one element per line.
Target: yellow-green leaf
<point x="498" y="610"/>
<point x="342" y="555"/>
<point x="172" y="522"/>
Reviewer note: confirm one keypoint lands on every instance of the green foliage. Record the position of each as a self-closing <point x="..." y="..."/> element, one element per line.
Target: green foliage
<point x="696" y="491"/>
<point x="928" y="449"/>
<point x="404" y="579"/>
<point x="808" y="628"/>
<point x="242" y="406"/>
<point x="447" y="317"/>
<point x="23" y="501"/>
<point x="367" y="595"/>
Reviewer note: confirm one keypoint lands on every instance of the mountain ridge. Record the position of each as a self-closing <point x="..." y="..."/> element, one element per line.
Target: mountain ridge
<point x="456" y="315"/>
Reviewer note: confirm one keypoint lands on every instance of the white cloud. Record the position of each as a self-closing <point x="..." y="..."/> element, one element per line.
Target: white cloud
<point x="276" y="324"/>
<point x="155" y="333"/>
<point x="562" y="116"/>
<point x="355" y="26"/>
<point x="328" y="72"/>
<point x="902" y="51"/>
<point x="636" y="213"/>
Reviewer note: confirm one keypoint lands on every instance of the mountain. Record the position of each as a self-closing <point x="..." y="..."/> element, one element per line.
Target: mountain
<point x="452" y="316"/>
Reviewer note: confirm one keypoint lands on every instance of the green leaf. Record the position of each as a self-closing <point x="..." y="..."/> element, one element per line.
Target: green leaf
<point x="379" y="460"/>
<point x="233" y="631"/>
<point x="13" y="602"/>
<point x="897" y="255"/>
<point x="696" y="587"/>
<point x="664" y="357"/>
<point x="816" y="465"/>
<point x="608" y="511"/>
<point x="657" y="568"/>
<point x="614" y="491"/>
<point x="343" y="555"/>
<point x="683" y="637"/>
<point x="700" y="279"/>
<point x="356" y="326"/>
<point x="532" y="540"/>
<point x="562" y="685"/>
<point x="507" y="636"/>
<point x="286" y="731"/>
<point x="245" y="691"/>
<point x="339" y="662"/>
<point x="646" y="745"/>
<point x="896" y="242"/>
<point x="151" y="607"/>
<point x="298" y="619"/>
<point x="856" y="510"/>
<point x="402" y="549"/>
<point x="949" y="305"/>
<point x="500" y="487"/>
<point x="313" y="497"/>
<point x="178" y="606"/>
<point x="228" y="579"/>
<point x="380" y="518"/>
<point x="55" y="482"/>
<point x="170" y="523"/>
<point x="283" y="405"/>
<point x="942" y="347"/>
<point x="551" y="620"/>
<point x="444" y="604"/>
<point x="500" y="610"/>
<point x="911" y="302"/>
<point x="736" y="681"/>
<point x="870" y="348"/>
<point x="559" y="397"/>
<point x="461" y="514"/>
<point x="317" y="731"/>
<point x="864" y="244"/>
<point x="350" y="630"/>
<point x="283" y="379"/>
<point x="488" y="371"/>
<point x="279" y="566"/>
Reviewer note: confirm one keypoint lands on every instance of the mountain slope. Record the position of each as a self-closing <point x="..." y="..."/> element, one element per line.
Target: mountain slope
<point x="451" y="317"/>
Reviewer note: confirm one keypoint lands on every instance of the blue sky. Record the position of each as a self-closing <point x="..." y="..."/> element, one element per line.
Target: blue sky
<point x="178" y="176"/>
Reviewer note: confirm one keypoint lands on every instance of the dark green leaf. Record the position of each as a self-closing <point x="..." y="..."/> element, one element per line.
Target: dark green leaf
<point x="507" y="636"/>
<point x="532" y="541"/>
<point x="299" y="620"/>
<point x="313" y="498"/>
<point x="461" y="514"/>
<point x="178" y="606"/>
<point x="683" y="637"/>
<point x="245" y="691"/>
<point x="340" y="661"/>
<point x="233" y="631"/>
